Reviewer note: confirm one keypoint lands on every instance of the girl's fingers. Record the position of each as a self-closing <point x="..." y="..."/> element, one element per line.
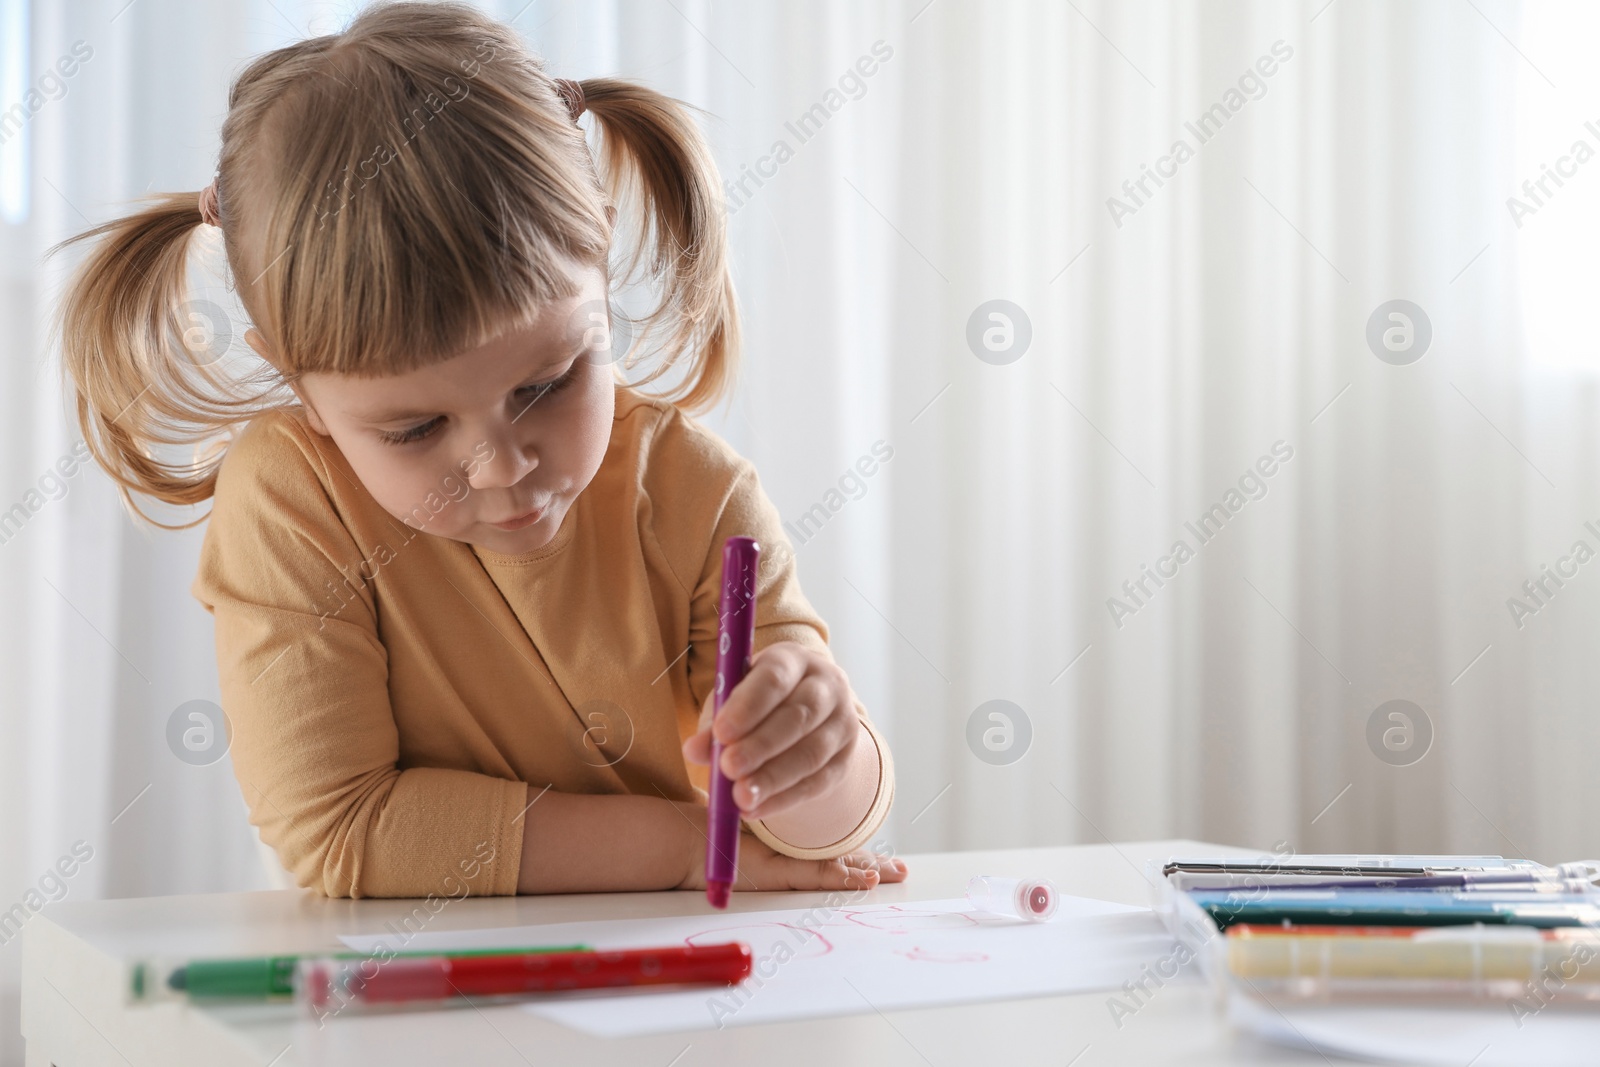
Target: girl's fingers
<point x="842" y="875"/>
<point x="820" y="754"/>
<point x="891" y="869"/>
<point x="787" y="872"/>
<point x="697" y="749"/>
<point x="861" y="878"/>
<point x="854" y="871"/>
<point x="794" y="796"/>
<point x="796" y="716"/>
<point x="763" y="869"/>
<point x="770" y="680"/>
<point x="807" y="788"/>
<point x="888" y="867"/>
<point x="774" y="673"/>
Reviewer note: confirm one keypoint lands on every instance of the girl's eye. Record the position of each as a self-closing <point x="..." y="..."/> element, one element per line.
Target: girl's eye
<point x="532" y="394"/>
<point x="528" y="394"/>
<point x="414" y="433"/>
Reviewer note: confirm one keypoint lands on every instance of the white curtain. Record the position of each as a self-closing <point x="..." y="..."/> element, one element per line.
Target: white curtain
<point x="962" y="522"/>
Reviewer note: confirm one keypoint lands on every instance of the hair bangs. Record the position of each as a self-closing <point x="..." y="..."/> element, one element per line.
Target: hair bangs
<point x="442" y="211"/>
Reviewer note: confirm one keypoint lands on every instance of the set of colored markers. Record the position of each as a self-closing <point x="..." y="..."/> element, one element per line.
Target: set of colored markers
<point x="1381" y="927"/>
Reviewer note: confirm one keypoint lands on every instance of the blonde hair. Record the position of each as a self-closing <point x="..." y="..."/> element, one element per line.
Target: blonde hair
<point x="390" y="196"/>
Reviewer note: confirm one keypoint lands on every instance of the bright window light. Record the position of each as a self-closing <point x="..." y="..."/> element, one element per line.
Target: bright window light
<point x="1554" y="205"/>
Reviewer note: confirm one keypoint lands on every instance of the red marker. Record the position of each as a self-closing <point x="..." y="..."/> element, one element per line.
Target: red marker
<point x="328" y="986"/>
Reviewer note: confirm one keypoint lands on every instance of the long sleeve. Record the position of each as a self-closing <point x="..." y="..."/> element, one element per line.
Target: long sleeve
<point x="304" y="679"/>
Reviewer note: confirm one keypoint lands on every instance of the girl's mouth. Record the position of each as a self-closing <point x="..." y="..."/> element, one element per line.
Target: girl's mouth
<point x="520" y="521"/>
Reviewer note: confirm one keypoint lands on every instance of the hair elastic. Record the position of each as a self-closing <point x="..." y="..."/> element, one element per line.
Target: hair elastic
<point x="572" y="92"/>
<point x="208" y="204"/>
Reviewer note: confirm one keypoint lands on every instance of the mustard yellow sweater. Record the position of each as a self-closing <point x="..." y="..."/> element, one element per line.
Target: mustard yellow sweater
<point x="396" y="699"/>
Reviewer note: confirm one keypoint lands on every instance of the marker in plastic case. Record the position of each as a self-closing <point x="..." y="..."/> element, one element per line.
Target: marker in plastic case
<point x="1033" y="899"/>
<point x="1397" y="907"/>
<point x="1324" y="953"/>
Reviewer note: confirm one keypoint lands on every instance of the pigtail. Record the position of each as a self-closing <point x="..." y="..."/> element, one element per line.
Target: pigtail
<point x="140" y="358"/>
<point x="656" y="160"/>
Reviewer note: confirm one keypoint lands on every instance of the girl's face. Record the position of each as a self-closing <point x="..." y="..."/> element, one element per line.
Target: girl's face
<point x="492" y="446"/>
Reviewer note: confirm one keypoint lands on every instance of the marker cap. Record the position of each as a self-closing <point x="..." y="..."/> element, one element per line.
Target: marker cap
<point x="1033" y="899"/>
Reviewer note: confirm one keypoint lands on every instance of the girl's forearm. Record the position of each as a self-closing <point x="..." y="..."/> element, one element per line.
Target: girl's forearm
<point x="821" y="821"/>
<point x="580" y="843"/>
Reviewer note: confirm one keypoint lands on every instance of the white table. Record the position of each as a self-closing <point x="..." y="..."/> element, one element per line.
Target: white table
<point x="74" y="953"/>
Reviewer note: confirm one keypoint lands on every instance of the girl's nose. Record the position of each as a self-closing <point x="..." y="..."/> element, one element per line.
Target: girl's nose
<point x="512" y="460"/>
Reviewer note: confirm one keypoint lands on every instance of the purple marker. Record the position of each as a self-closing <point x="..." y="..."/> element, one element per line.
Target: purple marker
<point x="736" y="633"/>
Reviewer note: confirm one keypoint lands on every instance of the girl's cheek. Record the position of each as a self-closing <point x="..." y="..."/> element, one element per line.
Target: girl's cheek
<point x="404" y="491"/>
<point x="598" y="415"/>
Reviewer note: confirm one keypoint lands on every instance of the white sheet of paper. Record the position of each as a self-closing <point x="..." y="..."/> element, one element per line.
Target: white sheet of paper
<point x="841" y="961"/>
<point x="1486" y="1036"/>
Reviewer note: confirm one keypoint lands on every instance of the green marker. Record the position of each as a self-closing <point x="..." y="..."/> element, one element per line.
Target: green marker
<point x="266" y="977"/>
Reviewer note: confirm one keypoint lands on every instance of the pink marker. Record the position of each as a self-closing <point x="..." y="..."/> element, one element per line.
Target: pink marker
<point x="736" y="634"/>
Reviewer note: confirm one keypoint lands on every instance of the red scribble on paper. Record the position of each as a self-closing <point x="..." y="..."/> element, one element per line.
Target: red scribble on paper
<point x="904" y="920"/>
<point x="804" y="940"/>
<point x="809" y="942"/>
<point x="917" y="952"/>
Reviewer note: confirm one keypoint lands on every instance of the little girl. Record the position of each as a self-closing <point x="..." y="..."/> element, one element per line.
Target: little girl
<point x="464" y="577"/>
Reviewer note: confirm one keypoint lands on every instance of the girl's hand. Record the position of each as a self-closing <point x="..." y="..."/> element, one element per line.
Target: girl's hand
<point x="787" y="730"/>
<point x="760" y="868"/>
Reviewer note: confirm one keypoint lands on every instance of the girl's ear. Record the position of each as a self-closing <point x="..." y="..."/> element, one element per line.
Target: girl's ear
<point x="253" y="338"/>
